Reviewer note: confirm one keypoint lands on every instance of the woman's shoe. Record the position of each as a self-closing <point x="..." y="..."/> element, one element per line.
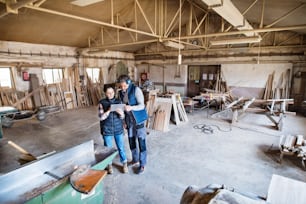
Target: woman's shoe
<point x="109" y="169"/>
<point x="125" y="168"/>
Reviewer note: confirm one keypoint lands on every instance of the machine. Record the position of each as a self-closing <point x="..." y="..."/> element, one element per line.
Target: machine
<point x="72" y="176"/>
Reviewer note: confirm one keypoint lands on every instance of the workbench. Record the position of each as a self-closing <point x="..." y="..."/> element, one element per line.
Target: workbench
<point x="275" y="109"/>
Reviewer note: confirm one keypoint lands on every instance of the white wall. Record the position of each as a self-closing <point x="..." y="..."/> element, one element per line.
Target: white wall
<point x="113" y="58"/>
<point x="25" y="85"/>
<point x="174" y="79"/>
<point x="240" y="76"/>
<point x="64" y="54"/>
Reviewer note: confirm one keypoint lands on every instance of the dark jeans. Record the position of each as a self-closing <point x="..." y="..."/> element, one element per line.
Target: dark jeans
<point x="139" y="153"/>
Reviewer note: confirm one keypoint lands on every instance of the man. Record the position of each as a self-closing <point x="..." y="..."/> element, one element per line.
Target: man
<point x="135" y="116"/>
<point x="145" y="83"/>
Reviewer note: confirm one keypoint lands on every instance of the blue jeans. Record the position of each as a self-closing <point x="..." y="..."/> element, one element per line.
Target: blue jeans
<point x="108" y="142"/>
<point x="138" y="135"/>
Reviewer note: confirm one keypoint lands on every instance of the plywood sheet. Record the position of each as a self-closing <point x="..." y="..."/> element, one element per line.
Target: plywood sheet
<point x="284" y="190"/>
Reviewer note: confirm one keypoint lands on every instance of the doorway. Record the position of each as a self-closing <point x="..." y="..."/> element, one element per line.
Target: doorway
<point x="201" y="77"/>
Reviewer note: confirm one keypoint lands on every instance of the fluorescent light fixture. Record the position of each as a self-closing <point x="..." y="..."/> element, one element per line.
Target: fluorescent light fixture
<point x="179" y="59"/>
<point x="83" y="3"/>
<point x="236" y="41"/>
<point x="174" y="45"/>
<point x="227" y="10"/>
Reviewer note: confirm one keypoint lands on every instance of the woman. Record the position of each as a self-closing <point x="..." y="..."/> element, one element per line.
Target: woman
<point x="111" y="124"/>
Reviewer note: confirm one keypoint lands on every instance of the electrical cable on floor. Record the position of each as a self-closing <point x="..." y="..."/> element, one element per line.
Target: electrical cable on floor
<point x="208" y="129"/>
<point x="258" y="131"/>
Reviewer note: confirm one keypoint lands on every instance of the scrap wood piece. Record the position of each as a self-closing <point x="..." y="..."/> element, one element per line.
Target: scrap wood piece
<point x="247" y="104"/>
<point x="290" y="142"/>
<point x="302" y="151"/>
<point x="300" y="140"/>
<point x="181" y="108"/>
<point x="233" y="103"/>
<point x="162" y="116"/>
<point x="85" y="180"/>
<point x="68" y="96"/>
<point x="176" y="114"/>
<point x="26" y="156"/>
<point x="27" y="96"/>
<point x="269" y="86"/>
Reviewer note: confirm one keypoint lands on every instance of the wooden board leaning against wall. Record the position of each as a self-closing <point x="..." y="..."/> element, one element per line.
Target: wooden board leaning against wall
<point x="72" y="92"/>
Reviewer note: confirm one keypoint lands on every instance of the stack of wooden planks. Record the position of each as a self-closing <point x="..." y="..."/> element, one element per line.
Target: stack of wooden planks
<point x="178" y="108"/>
<point x="160" y="109"/>
<point x="68" y="94"/>
<point x="278" y="89"/>
<point x="162" y="114"/>
<point x="293" y="145"/>
<point x="150" y="105"/>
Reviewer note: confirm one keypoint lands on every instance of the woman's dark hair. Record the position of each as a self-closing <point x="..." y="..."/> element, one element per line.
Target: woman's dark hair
<point x="107" y="86"/>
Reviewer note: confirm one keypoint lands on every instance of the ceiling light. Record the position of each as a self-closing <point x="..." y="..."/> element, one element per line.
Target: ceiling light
<point x="174" y="45"/>
<point x="85" y="2"/>
<point x="236" y="41"/>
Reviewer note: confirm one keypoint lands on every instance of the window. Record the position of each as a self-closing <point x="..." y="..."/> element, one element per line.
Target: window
<point x="5" y="77"/>
<point x="93" y="74"/>
<point x="52" y="75"/>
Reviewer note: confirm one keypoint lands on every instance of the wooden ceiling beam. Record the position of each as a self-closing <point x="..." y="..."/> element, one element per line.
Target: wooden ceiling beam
<point x="200" y="23"/>
<point x="286" y="15"/>
<point x="168" y="30"/>
<point x="90" y="20"/>
<point x="103" y="47"/>
<point x="13" y="7"/>
<point x="145" y="17"/>
<point x="258" y="30"/>
<point x="199" y="30"/>
<point x="262" y="14"/>
<point x="288" y="39"/>
<point x="125" y="25"/>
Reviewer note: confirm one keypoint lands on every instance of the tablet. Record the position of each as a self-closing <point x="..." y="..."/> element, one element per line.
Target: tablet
<point x="114" y="107"/>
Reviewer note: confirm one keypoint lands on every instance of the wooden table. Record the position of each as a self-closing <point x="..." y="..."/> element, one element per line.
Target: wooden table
<point x="284" y="190"/>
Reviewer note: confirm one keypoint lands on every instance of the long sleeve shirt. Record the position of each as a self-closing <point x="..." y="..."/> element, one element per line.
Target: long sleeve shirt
<point x="103" y="115"/>
<point x="140" y="100"/>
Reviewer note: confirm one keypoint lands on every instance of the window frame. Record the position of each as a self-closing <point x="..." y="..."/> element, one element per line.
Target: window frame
<point x="92" y="73"/>
<point x="12" y="82"/>
<point x="61" y="77"/>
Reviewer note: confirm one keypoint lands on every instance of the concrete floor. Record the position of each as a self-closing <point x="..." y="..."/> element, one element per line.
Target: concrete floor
<point x="178" y="158"/>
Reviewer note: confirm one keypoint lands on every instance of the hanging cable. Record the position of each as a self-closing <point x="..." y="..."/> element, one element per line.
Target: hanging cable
<point x="179" y="37"/>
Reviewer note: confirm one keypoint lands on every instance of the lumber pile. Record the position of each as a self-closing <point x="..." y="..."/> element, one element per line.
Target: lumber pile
<point x="293" y="144"/>
<point x="70" y="93"/>
<point x="162" y="116"/>
<point x="160" y="108"/>
<point x="150" y="106"/>
<point x="11" y="97"/>
<point x="278" y="89"/>
<point x="220" y="84"/>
